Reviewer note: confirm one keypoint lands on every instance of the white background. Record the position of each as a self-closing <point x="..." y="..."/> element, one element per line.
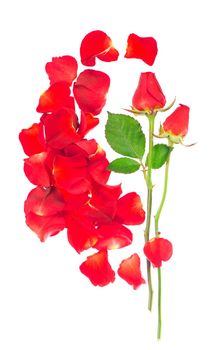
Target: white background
<point x="45" y="303"/>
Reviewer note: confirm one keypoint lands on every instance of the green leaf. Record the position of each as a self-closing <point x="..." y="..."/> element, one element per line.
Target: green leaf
<point x="124" y="165"/>
<point x="125" y="136"/>
<point x="160" y="155"/>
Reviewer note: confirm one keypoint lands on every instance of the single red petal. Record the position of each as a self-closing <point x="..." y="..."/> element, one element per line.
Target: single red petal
<point x="98" y="170"/>
<point x="148" y="95"/>
<point x="32" y="139"/>
<point x="81" y="235"/>
<point x="45" y="226"/>
<point x="97" y="44"/>
<point x="44" y="201"/>
<point x="113" y="236"/>
<point x="71" y="174"/>
<point x="129" y="210"/>
<point x="87" y="123"/>
<point x="130" y="271"/>
<point x="36" y="170"/>
<point x="90" y="91"/>
<point x="98" y="269"/>
<point x="177" y="123"/>
<point x="89" y="146"/>
<point x="62" y="69"/>
<point x="158" y="250"/>
<point x="105" y="198"/>
<point x="54" y="98"/>
<point x="143" y="48"/>
<point x="59" y="129"/>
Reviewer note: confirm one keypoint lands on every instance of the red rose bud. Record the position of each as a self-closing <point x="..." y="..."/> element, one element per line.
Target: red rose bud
<point x="176" y="125"/>
<point x="158" y="250"/>
<point x="142" y="48"/>
<point x="148" y="95"/>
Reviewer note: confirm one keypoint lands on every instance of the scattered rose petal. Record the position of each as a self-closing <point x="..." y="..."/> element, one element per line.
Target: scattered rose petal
<point x="98" y="269"/>
<point x="130" y="271"/>
<point x="143" y="48"/>
<point x="62" y="69"/>
<point x="97" y="44"/>
<point x="158" y="250"/>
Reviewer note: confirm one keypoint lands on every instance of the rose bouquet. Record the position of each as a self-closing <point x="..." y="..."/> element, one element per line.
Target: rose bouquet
<point x="70" y="171"/>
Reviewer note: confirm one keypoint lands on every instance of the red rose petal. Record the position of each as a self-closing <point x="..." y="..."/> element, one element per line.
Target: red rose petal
<point x="54" y="98"/>
<point x="60" y="130"/>
<point x="130" y="271"/>
<point x="177" y="123"/>
<point x="32" y="139"/>
<point x="81" y="235"/>
<point x="45" y="226"/>
<point x="158" y="250"/>
<point x="89" y="146"/>
<point x="44" y="202"/>
<point x="87" y="123"/>
<point x="97" y="44"/>
<point x="90" y="90"/>
<point x="98" y="170"/>
<point x="105" y="198"/>
<point x="148" y="95"/>
<point x="143" y="48"/>
<point x="113" y="236"/>
<point x="98" y="269"/>
<point x="36" y="170"/>
<point x="71" y="174"/>
<point x="62" y="69"/>
<point x="129" y="210"/>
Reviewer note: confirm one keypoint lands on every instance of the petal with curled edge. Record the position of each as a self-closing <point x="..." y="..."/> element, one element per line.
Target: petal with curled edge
<point x="45" y="226"/>
<point x="97" y="44"/>
<point x="157" y="250"/>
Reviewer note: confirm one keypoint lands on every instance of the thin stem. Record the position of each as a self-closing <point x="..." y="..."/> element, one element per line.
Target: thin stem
<point x="148" y="180"/>
<point x="157" y="216"/>
<point x="157" y="234"/>
<point x="159" y="324"/>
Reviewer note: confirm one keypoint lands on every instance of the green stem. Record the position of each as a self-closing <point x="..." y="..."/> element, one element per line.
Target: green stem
<point x="157" y="216"/>
<point x="157" y="234"/>
<point x="159" y="324"/>
<point x="148" y="180"/>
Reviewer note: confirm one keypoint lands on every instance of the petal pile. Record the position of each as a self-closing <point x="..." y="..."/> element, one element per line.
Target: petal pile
<point x="70" y="172"/>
